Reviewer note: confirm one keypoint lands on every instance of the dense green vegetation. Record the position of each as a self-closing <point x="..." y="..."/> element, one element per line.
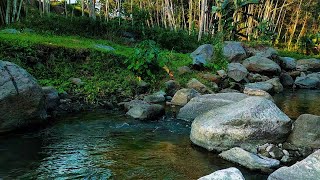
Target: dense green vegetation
<point x="61" y="40"/>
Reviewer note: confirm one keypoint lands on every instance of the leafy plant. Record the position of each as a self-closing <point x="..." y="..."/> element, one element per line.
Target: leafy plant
<point x="146" y="60"/>
<point x="220" y="61"/>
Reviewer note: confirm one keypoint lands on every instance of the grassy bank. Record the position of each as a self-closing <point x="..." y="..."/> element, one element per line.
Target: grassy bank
<point x="54" y="59"/>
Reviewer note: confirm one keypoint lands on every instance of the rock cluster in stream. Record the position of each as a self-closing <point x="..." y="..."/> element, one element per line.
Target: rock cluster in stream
<point x="241" y="121"/>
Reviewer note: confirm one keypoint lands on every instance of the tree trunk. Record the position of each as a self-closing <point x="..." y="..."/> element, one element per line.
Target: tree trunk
<point x="8" y="12"/>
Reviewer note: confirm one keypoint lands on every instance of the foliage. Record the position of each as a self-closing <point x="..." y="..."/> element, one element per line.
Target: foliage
<point x="147" y="60"/>
<point x="219" y="60"/>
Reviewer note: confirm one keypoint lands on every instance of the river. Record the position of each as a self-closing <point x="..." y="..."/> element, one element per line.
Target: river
<point x="104" y="145"/>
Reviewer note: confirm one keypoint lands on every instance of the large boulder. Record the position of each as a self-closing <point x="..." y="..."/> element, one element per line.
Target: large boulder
<point x="237" y="71"/>
<point x="306" y="132"/>
<point x="287" y="63"/>
<point x="249" y="160"/>
<point x="183" y="96"/>
<point x="261" y="65"/>
<point x="198" y="86"/>
<point x="204" y="103"/>
<point x="21" y="98"/>
<point x="224" y="174"/>
<point x="144" y="111"/>
<point x="202" y="55"/>
<point x="308" y="65"/>
<point x="252" y="121"/>
<point x="234" y="51"/>
<point x="307" y="169"/>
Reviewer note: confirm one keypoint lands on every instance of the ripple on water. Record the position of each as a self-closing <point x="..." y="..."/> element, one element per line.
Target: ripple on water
<point x="106" y="146"/>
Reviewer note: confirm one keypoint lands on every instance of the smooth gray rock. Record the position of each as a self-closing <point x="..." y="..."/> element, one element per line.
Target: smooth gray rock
<point x="261" y="65"/>
<point x="198" y="86"/>
<point x="249" y="160"/>
<point x="204" y="103"/>
<point x="286" y="80"/>
<point x="21" y="98"/>
<point x="307" y="169"/>
<point x="224" y="174"/>
<point x="183" y="96"/>
<point x="288" y="63"/>
<point x="202" y="55"/>
<point x="237" y="71"/>
<point x="234" y="51"/>
<point x="258" y="92"/>
<point x="253" y="121"/>
<point x="155" y="98"/>
<point x="257" y="77"/>
<point x="265" y="86"/>
<point x="267" y="52"/>
<point x="52" y="99"/>
<point x="276" y="85"/>
<point x="308" y="65"/>
<point x="307" y="82"/>
<point x="222" y="73"/>
<point x="145" y="111"/>
<point x="306" y="132"/>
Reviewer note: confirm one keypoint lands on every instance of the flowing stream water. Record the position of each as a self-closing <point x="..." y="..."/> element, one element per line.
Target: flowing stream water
<point x="101" y="145"/>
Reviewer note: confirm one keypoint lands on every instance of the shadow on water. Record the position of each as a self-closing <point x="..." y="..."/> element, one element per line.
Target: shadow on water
<point x="101" y="145"/>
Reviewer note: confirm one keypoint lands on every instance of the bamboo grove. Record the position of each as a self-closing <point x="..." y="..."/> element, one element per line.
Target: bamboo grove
<point x="288" y="22"/>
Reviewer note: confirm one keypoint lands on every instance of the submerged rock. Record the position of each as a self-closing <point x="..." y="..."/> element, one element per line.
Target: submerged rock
<point x="307" y="169"/>
<point x="252" y="121"/>
<point x="224" y="174"/>
<point x="21" y="98"/>
<point x="249" y="160"/>
<point x="204" y="103"/>
<point x="183" y="96"/>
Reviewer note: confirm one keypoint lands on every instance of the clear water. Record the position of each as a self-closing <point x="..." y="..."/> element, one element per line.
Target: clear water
<point x="295" y="103"/>
<point x="101" y="145"/>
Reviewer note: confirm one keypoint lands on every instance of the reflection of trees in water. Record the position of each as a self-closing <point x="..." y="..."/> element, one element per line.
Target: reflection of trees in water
<point x="299" y="102"/>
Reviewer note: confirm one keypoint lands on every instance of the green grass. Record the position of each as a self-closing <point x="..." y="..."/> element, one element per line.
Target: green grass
<point x="54" y="59"/>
